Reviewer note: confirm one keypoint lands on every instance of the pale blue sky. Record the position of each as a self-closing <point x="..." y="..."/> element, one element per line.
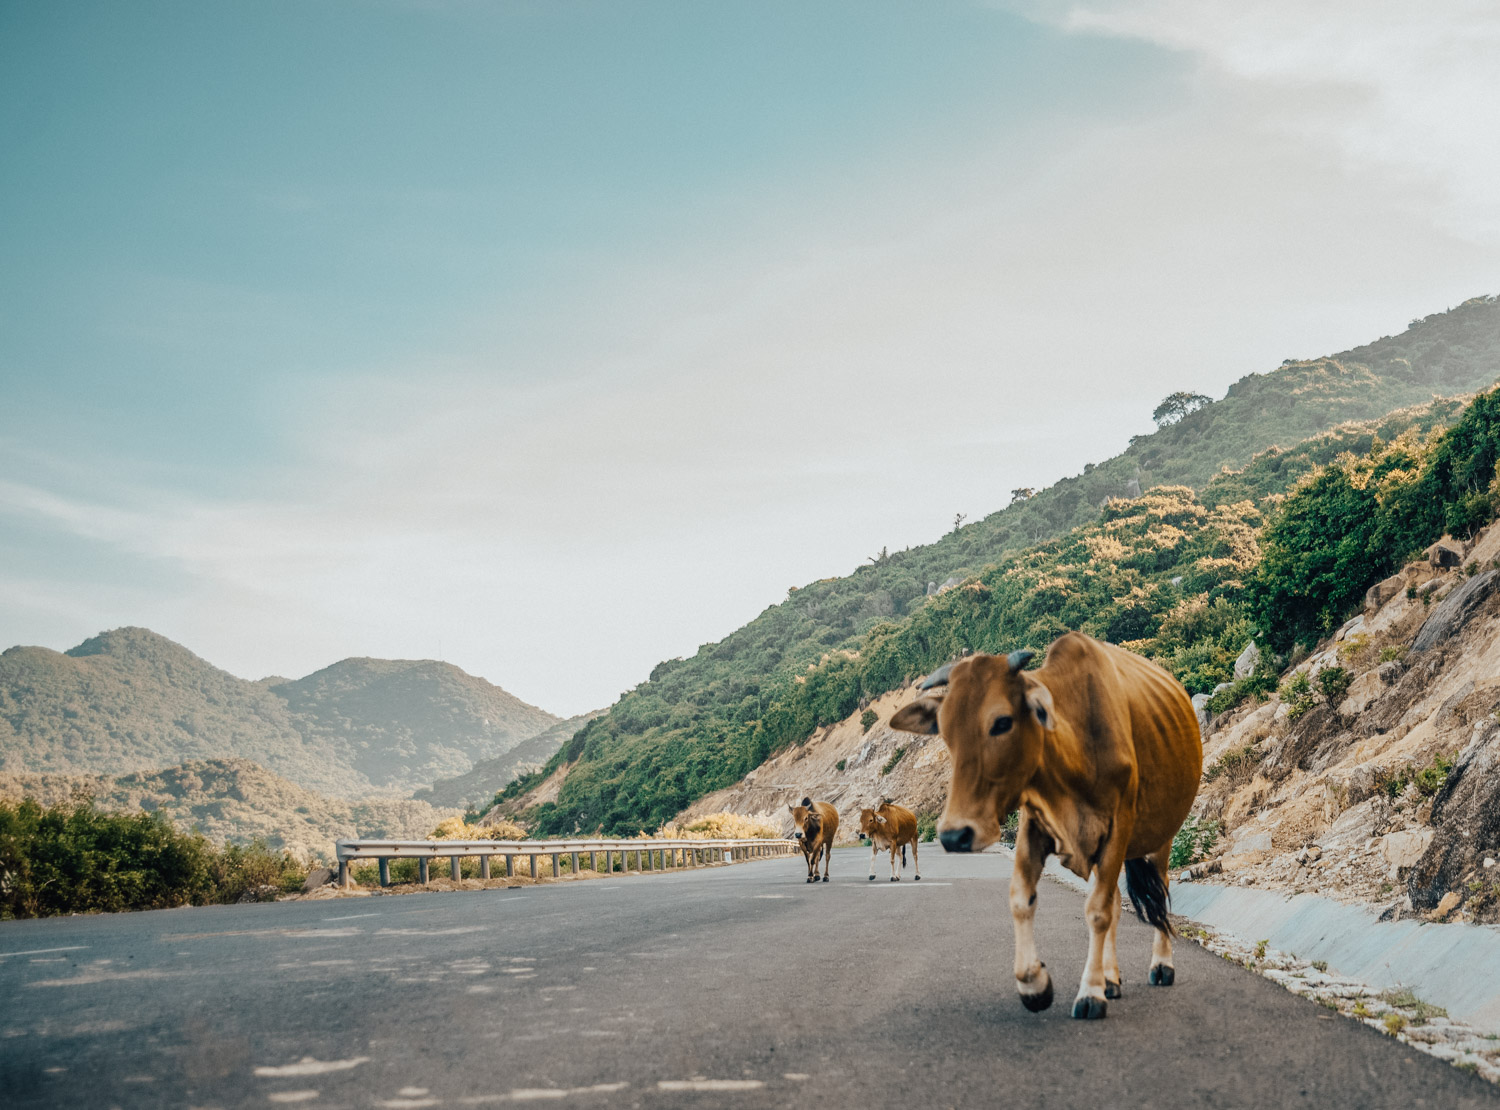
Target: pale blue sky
<point x="559" y="338"/>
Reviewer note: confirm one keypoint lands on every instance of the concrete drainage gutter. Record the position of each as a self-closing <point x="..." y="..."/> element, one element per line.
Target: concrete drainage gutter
<point x="1453" y="966"/>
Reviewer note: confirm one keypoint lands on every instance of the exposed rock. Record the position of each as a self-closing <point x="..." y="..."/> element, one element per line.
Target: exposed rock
<point x="316" y="878"/>
<point x="1405" y="848"/>
<point x="1353" y="827"/>
<point x="1200" y="707"/>
<point x="1445" y="553"/>
<point x="1447" y="904"/>
<point x="1362" y="691"/>
<point x="1450" y="617"/>
<point x="1244" y="666"/>
<point x="1466" y="816"/>
<point x="1349" y="628"/>
<point x="1378" y="594"/>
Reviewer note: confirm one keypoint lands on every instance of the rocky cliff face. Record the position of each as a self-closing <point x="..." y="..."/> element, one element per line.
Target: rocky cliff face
<point x="1388" y="794"/>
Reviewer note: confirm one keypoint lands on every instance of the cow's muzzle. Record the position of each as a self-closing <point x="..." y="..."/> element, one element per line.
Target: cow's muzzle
<point x="958" y="840"/>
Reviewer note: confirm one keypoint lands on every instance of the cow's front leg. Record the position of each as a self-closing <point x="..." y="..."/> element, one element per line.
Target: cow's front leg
<point x="827" y="860"/>
<point x="874" y="854"/>
<point x="1112" y="976"/>
<point x="1099" y="912"/>
<point x="811" y="861"/>
<point x="895" y="868"/>
<point x="1032" y="979"/>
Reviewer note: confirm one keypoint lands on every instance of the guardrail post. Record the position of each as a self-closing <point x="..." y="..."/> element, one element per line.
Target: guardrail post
<point x="510" y="865"/>
<point x="575" y="865"/>
<point x="453" y="869"/>
<point x="422" y="870"/>
<point x="343" y="872"/>
<point x="557" y="865"/>
<point x="385" y="870"/>
<point x="484" y="868"/>
<point x="594" y="862"/>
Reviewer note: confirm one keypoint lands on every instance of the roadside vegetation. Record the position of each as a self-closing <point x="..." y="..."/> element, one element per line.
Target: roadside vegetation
<point x="74" y="858"/>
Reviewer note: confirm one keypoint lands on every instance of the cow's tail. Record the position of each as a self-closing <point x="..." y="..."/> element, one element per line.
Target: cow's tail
<point x="1148" y="894"/>
<point x="903" y="855"/>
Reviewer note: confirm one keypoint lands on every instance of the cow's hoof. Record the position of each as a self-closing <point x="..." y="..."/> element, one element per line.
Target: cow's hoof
<point x="919" y="878"/>
<point x="1161" y="975"/>
<point x="1112" y="989"/>
<point x="811" y="879"/>
<point x="895" y="878"/>
<point x="872" y="878"/>
<point x="1039" y="1001"/>
<point x="1087" y="1007"/>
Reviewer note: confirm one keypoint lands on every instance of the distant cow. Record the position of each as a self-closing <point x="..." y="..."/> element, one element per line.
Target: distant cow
<point x="1100" y="751"/>
<point x="891" y="827"/>
<point x="817" y="824"/>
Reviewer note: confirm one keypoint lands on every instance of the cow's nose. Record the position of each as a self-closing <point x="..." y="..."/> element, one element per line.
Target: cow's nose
<point x="796" y="836"/>
<point x="957" y="840"/>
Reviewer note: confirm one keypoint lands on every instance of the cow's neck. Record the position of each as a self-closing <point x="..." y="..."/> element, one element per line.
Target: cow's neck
<point x="1061" y="794"/>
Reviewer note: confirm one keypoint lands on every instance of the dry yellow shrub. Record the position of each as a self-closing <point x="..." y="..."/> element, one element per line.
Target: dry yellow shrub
<point x="455" y="829"/>
<point x="723" y="826"/>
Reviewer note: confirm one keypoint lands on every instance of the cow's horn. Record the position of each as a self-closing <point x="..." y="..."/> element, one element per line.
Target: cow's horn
<point x="938" y="677"/>
<point x="1019" y="659"/>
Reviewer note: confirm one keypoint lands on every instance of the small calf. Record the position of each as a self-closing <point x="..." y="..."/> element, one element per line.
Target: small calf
<point x="891" y="827"/>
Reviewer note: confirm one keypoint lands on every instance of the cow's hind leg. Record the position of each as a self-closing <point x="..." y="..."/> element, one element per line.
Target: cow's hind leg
<point x="874" y="854"/>
<point x="1032" y="980"/>
<point x="1162" y="973"/>
<point x="917" y="867"/>
<point x="827" y="859"/>
<point x="895" y="871"/>
<point x="1112" y="976"/>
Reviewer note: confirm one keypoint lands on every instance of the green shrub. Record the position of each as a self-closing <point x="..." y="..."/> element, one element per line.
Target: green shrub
<point x="1296" y="695"/>
<point x="73" y="858"/>
<point x="841" y="763"/>
<point x="1335" y="683"/>
<point x="868" y="718"/>
<point x="1237" y="765"/>
<point x="926" y="827"/>
<point x="890" y="764"/>
<point x="1193" y="841"/>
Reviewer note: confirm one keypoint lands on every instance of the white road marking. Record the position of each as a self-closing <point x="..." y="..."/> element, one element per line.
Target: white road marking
<point x="308" y="1066"/>
<point x="431" y="932"/>
<point x="408" y="1103"/>
<point x="795" y="1075"/>
<point x="413" y="1092"/>
<point x="41" y="951"/>
<point x="351" y="916"/>
<point x="292" y="1096"/>
<point x="771" y="896"/>
<point x="710" y="1084"/>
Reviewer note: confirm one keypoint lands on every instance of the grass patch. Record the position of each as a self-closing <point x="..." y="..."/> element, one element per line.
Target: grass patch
<point x="1237" y="766"/>
<point x="890" y="764"/>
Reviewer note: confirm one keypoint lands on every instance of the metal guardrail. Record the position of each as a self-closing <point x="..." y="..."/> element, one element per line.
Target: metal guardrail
<point x="649" y="855"/>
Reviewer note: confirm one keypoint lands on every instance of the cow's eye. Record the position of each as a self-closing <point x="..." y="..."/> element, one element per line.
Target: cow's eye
<point x="1002" y="724"/>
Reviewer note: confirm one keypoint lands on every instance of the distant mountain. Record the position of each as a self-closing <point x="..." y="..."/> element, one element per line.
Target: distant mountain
<point x="130" y="701"/>
<point x="237" y="800"/>
<point x="479" y="786"/>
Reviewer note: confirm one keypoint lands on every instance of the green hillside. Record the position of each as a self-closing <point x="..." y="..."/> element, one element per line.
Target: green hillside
<point x="700" y="723"/>
<point x="477" y="786"/>
<point x="130" y="700"/>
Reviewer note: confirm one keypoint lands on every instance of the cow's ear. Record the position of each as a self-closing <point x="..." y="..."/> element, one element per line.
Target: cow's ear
<point x="920" y="716"/>
<point x="1039" y="699"/>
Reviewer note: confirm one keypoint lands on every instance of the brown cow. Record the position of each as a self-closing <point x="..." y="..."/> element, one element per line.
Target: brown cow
<point x="892" y="827"/>
<point x="1100" y="750"/>
<point x="817" y="824"/>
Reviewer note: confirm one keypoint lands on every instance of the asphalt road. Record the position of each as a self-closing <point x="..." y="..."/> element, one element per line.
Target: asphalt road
<point x="739" y="986"/>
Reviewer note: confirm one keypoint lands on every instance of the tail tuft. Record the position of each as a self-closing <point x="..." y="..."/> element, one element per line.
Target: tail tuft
<point x="1148" y="894"/>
